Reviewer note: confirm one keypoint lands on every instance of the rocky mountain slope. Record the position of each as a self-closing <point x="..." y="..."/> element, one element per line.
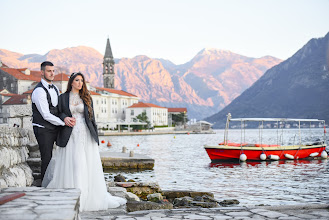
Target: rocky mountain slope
<point x="296" y="88"/>
<point x="206" y="84"/>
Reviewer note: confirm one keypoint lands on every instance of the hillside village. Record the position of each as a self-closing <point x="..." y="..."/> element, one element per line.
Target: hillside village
<point x="113" y="108"/>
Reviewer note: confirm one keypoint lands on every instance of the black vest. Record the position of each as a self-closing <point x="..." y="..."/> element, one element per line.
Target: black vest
<point x="37" y="117"/>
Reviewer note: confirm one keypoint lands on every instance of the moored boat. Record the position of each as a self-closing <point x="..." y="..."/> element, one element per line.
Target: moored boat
<point x="245" y="151"/>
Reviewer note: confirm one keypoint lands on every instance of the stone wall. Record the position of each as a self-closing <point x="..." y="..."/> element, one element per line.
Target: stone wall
<point x="14" y="152"/>
<point x="19" y="114"/>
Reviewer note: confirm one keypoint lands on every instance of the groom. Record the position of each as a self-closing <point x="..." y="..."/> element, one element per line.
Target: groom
<point x="45" y="118"/>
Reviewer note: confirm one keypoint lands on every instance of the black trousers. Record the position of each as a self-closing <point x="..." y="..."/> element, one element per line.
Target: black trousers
<point x="46" y="139"/>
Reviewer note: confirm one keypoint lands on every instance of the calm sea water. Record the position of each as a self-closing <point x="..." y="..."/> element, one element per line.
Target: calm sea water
<point x="181" y="163"/>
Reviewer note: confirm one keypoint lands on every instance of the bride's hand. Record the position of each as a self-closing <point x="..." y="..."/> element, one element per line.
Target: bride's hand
<point x="69" y="121"/>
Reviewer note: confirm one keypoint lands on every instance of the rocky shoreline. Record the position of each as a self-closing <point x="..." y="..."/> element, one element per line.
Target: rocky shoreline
<point x="149" y="196"/>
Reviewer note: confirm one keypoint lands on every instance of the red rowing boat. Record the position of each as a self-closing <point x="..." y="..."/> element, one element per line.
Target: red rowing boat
<point x="244" y="151"/>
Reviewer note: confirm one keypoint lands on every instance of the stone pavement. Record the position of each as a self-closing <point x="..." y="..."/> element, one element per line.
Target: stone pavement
<point x="40" y="203"/>
<point x="313" y="211"/>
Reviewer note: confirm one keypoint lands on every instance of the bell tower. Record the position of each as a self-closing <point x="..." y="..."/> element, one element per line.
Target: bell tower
<point x="108" y="67"/>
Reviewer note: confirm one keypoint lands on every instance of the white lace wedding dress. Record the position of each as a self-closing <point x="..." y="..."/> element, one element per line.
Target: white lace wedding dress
<point x="78" y="165"/>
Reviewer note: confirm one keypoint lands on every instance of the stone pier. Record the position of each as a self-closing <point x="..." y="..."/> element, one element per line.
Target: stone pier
<point x="115" y="161"/>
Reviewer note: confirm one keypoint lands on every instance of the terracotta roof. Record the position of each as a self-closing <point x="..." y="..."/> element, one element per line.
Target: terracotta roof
<point x="61" y="77"/>
<point x="29" y="91"/>
<point x="4" y="65"/>
<point x="115" y="91"/>
<point x="177" y="109"/>
<point x="17" y="100"/>
<point x="94" y="93"/>
<point x="144" y="105"/>
<point x="34" y="75"/>
<point x="8" y="94"/>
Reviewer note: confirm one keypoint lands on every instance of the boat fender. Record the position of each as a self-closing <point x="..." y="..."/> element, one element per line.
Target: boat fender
<point x="314" y="154"/>
<point x="289" y="156"/>
<point x="324" y="155"/>
<point x="273" y="157"/>
<point x="243" y="157"/>
<point x="262" y="156"/>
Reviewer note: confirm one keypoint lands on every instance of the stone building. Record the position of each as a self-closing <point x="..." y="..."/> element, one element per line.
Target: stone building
<point x="108" y="67"/>
<point x="18" y="81"/>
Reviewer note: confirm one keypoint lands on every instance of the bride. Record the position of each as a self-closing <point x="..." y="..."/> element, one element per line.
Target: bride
<point x="76" y="162"/>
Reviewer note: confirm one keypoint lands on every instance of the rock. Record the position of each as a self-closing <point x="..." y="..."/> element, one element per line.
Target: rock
<point x="171" y="195"/>
<point x="138" y="206"/>
<point x="119" y="178"/>
<point x="141" y="189"/>
<point x="198" y="198"/>
<point x="205" y="204"/>
<point x="207" y="198"/>
<point x="229" y="202"/>
<point x="132" y="197"/>
<point x="117" y="191"/>
<point x="185" y="201"/>
<point x="155" y="197"/>
<point x="124" y="184"/>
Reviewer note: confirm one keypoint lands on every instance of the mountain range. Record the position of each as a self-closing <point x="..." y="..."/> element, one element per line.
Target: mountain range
<point x="295" y="88"/>
<point x="205" y="84"/>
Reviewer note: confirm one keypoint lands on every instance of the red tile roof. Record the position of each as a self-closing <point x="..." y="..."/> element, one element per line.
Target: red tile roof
<point x="34" y="75"/>
<point x="177" y="109"/>
<point x="94" y="93"/>
<point x="29" y="91"/>
<point x="115" y="91"/>
<point x="61" y="77"/>
<point x="17" y="100"/>
<point x="4" y="65"/>
<point x="144" y="105"/>
<point x="8" y="94"/>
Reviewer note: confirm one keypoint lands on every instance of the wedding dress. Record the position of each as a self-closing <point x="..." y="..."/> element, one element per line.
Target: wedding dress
<point x="78" y="165"/>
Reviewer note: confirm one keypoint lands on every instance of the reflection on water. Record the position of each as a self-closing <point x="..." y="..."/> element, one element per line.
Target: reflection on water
<point x="181" y="163"/>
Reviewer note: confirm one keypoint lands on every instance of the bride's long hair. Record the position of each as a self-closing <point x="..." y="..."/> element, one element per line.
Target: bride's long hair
<point x="83" y="92"/>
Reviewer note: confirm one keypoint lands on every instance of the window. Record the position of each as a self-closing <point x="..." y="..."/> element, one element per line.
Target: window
<point x="132" y="112"/>
<point x="96" y="102"/>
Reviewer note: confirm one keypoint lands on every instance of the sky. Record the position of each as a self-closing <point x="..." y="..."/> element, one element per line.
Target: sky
<point x="175" y="30"/>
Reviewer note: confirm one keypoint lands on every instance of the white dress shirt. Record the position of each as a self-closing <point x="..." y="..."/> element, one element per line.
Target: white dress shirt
<point x="39" y="98"/>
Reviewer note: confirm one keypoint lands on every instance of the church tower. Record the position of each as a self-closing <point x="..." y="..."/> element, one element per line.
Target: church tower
<point x="108" y="67"/>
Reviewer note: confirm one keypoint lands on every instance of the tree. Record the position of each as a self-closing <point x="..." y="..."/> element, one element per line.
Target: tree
<point x="181" y="117"/>
<point x="143" y="118"/>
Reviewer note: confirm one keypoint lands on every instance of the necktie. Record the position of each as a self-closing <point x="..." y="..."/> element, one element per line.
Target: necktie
<point x="51" y="86"/>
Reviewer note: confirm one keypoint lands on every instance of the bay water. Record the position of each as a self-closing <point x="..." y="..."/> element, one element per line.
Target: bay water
<point x="181" y="163"/>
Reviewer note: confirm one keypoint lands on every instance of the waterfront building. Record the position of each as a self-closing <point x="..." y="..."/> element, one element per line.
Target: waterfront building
<point x="177" y="116"/>
<point x="157" y="115"/>
<point x="112" y="105"/>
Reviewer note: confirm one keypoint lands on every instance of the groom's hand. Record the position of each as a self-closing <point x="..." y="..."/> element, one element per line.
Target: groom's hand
<point x="69" y="121"/>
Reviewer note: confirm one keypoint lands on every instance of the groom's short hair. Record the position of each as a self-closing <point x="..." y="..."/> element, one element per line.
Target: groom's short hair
<point x="46" y="63"/>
